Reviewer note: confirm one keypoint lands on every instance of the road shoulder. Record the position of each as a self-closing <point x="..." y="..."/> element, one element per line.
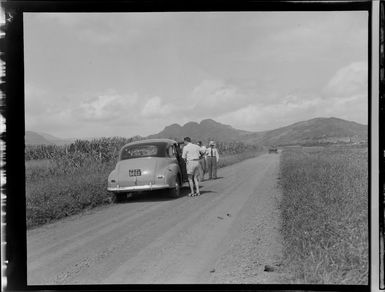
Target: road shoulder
<point x="252" y="252"/>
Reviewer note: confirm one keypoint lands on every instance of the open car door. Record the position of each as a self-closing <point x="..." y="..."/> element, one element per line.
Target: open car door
<point x="182" y="163"/>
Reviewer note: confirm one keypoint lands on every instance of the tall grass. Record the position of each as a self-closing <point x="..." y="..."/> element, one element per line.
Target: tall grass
<point x="61" y="193"/>
<point x="325" y="215"/>
<point x="75" y="178"/>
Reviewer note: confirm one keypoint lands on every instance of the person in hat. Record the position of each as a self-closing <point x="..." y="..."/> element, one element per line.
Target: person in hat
<point x="202" y="160"/>
<point x="191" y="154"/>
<point x="212" y="157"/>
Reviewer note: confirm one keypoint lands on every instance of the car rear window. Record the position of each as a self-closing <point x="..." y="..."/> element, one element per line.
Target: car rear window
<point x="142" y="150"/>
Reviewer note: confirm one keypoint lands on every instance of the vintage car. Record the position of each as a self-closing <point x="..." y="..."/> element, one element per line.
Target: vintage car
<point x="147" y="165"/>
<point x="273" y="149"/>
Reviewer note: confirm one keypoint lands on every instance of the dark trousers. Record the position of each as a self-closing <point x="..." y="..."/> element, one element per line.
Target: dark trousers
<point x="212" y="166"/>
<point x="202" y="162"/>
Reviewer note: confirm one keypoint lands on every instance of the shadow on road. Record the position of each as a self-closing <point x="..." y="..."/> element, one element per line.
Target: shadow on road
<point x="186" y="190"/>
<point x="152" y="196"/>
<point x="205" y="192"/>
<point x="219" y="177"/>
<point x="157" y="196"/>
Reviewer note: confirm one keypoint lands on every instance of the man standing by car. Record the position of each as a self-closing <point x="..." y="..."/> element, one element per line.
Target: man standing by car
<point x="202" y="160"/>
<point x="191" y="154"/>
<point x="212" y="160"/>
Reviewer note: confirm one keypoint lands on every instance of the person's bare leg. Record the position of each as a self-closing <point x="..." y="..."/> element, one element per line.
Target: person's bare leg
<point x="197" y="184"/>
<point x="190" y="181"/>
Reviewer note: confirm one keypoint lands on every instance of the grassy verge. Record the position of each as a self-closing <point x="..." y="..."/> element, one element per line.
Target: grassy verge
<point x="54" y="192"/>
<point x="325" y="215"/>
<point x="59" y="195"/>
<point x="232" y="159"/>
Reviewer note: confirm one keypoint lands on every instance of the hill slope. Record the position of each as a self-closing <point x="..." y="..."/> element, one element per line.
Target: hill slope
<point x="56" y="140"/>
<point x="32" y="138"/>
<point x="206" y="130"/>
<point x="37" y="138"/>
<point x="318" y="130"/>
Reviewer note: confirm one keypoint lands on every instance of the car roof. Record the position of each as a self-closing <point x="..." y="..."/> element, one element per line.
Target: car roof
<point x="149" y="141"/>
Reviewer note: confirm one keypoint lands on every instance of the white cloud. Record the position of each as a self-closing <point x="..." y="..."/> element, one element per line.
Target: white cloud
<point x="215" y="97"/>
<point x="239" y="71"/>
<point x="154" y="108"/>
<point x="215" y="92"/>
<point x="89" y="111"/>
<point x="349" y="80"/>
<point x="54" y="123"/>
<point x="267" y="116"/>
<point x="352" y="108"/>
<point x="106" y="107"/>
<point x="294" y="108"/>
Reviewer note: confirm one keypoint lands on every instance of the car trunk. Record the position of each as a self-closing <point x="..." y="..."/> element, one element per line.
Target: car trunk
<point x="137" y="171"/>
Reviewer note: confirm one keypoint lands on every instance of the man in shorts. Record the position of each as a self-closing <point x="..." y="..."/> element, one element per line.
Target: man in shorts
<point x="191" y="154"/>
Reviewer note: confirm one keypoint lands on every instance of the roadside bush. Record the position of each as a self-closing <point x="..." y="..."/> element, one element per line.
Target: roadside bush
<point x="103" y="149"/>
<point x="231" y="159"/>
<point x="59" y="196"/>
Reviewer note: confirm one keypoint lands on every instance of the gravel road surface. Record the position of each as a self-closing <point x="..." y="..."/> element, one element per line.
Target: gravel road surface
<point x="227" y="235"/>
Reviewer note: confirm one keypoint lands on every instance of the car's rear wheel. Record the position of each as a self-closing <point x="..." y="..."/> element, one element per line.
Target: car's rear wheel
<point x="119" y="197"/>
<point x="176" y="191"/>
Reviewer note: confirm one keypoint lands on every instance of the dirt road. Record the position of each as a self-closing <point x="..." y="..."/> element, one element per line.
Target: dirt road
<point x="227" y="235"/>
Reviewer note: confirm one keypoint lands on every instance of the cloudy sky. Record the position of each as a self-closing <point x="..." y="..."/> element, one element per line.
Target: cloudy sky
<point x="125" y="74"/>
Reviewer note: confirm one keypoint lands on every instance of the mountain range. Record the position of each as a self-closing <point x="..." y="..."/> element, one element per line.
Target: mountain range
<point x="37" y="138"/>
<point x="317" y="130"/>
<point x="205" y="130"/>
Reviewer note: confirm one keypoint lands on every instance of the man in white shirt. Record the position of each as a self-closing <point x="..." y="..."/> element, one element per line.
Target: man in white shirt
<point x="191" y="154"/>
<point x="202" y="161"/>
<point x="212" y="160"/>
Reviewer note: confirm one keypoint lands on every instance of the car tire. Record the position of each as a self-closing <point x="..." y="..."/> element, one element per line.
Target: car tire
<point x="118" y="198"/>
<point x="176" y="191"/>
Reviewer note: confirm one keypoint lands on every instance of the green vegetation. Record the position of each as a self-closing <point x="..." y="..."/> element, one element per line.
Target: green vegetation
<point x="64" y="180"/>
<point x="325" y="214"/>
<point x="102" y="149"/>
<point x="62" y="193"/>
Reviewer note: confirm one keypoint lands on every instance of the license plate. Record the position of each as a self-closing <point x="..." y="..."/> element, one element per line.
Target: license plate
<point x="134" y="172"/>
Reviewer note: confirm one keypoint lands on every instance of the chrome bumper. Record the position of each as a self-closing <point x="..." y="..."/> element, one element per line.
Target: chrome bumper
<point x="149" y="187"/>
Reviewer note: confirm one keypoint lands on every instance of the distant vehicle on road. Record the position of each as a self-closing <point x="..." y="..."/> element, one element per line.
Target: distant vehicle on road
<point x="273" y="149"/>
<point x="147" y="165"/>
